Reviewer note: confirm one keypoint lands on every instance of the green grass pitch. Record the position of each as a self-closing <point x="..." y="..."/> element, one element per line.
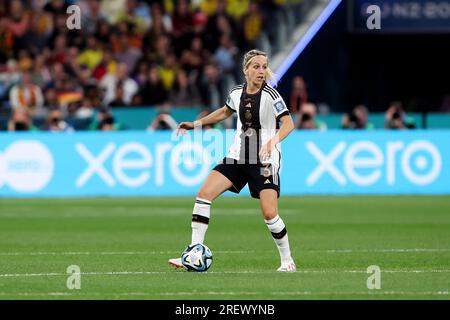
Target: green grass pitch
<point x="122" y="247"/>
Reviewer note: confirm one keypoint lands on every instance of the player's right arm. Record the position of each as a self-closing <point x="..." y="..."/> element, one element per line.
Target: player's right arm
<point x="212" y="118"/>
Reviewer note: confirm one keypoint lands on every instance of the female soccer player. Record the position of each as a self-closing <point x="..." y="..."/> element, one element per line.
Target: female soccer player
<point x="254" y="157"/>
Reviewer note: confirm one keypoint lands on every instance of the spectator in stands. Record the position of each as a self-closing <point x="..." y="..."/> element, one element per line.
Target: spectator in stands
<point x="40" y="74"/>
<point x="160" y="21"/>
<point x="183" y="93"/>
<point x="195" y="57"/>
<point x="102" y="32"/>
<point x="104" y="121"/>
<point x="198" y="30"/>
<point x="237" y="8"/>
<point x="136" y="100"/>
<point x="93" y="20"/>
<point x="306" y="118"/>
<point x="399" y="117"/>
<point x="125" y="51"/>
<point x="220" y="23"/>
<point x="357" y="119"/>
<point x="137" y="13"/>
<point x="141" y="73"/>
<point x="306" y="121"/>
<point x="27" y="95"/>
<point x="168" y="71"/>
<point x="41" y="27"/>
<point x="56" y="7"/>
<point x="92" y="55"/>
<point x="107" y="124"/>
<point x="85" y="109"/>
<point x="109" y="83"/>
<point x="299" y="94"/>
<point x="108" y="65"/>
<point x="118" y="101"/>
<point x="396" y="117"/>
<point x="10" y="76"/>
<point x="163" y="121"/>
<point x="160" y="25"/>
<point x="51" y="99"/>
<point x="20" y="120"/>
<point x="17" y="23"/>
<point x="226" y="57"/>
<point x="181" y="19"/>
<point x="55" y="122"/>
<point x="6" y="37"/>
<point x="211" y="86"/>
<point x="25" y="61"/>
<point x="153" y="93"/>
<point x="159" y="49"/>
<point x="59" y="51"/>
<point x="252" y="25"/>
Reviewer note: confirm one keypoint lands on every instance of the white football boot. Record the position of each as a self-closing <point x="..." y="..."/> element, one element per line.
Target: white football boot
<point x="176" y="262"/>
<point x="288" y="266"/>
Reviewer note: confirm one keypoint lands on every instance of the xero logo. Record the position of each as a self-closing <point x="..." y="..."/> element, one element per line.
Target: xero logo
<point x="26" y="166"/>
<point x="133" y="164"/>
<point x="364" y="163"/>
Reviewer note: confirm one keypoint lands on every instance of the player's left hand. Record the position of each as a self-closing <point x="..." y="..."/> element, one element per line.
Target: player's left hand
<point x="266" y="151"/>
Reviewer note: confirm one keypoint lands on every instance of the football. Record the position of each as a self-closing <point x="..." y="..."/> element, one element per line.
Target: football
<point x="197" y="257"/>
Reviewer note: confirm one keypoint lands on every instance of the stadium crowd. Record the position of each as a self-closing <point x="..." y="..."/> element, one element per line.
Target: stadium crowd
<point x="130" y="53"/>
<point x="126" y="53"/>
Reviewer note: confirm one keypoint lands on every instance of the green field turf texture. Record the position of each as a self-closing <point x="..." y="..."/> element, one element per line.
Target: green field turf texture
<point x="122" y="247"/>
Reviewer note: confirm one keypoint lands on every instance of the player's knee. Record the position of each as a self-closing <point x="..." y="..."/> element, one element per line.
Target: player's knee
<point x="205" y="194"/>
<point x="269" y="213"/>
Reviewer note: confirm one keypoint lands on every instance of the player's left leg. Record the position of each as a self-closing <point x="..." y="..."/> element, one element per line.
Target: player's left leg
<point x="269" y="206"/>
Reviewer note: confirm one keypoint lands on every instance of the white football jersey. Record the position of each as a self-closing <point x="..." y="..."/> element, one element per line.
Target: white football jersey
<point x="257" y="122"/>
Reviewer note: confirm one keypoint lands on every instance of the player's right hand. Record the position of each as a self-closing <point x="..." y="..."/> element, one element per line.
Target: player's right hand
<point x="183" y="126"/>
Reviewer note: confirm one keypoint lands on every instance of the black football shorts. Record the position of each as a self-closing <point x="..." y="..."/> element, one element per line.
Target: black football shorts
<point x="258" y="176"/>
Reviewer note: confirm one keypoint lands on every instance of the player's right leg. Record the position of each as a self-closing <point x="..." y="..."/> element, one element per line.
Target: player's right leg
<point x="269" y="207"/>
<point x="215" y="184"/>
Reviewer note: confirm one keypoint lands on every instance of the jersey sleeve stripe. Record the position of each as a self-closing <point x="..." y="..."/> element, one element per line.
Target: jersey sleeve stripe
<point x="284" y="113"/>
<point x="275" y="92"/>
<point x="237" y="88"/>
<point x="270" y="93"/>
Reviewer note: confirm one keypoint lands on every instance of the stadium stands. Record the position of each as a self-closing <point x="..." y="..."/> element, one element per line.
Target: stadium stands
<point x="131" y="53"/>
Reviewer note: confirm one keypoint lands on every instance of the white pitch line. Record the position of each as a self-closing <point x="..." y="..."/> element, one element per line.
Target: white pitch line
<point x="382" y="250"/>
<point x="75" y="253"/>
<point x="224" y="293"/>
<point x="80" y="253"/>
<point x="52" y="274"/>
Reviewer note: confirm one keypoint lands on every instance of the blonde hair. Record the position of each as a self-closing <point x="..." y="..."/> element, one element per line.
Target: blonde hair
<point x="253" y="53"/>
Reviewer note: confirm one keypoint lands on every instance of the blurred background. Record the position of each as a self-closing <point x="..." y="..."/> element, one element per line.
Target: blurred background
<point x="146" y="65"/>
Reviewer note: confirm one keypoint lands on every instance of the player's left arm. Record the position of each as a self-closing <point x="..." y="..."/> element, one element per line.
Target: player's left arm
<point x="287" y="126"/>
